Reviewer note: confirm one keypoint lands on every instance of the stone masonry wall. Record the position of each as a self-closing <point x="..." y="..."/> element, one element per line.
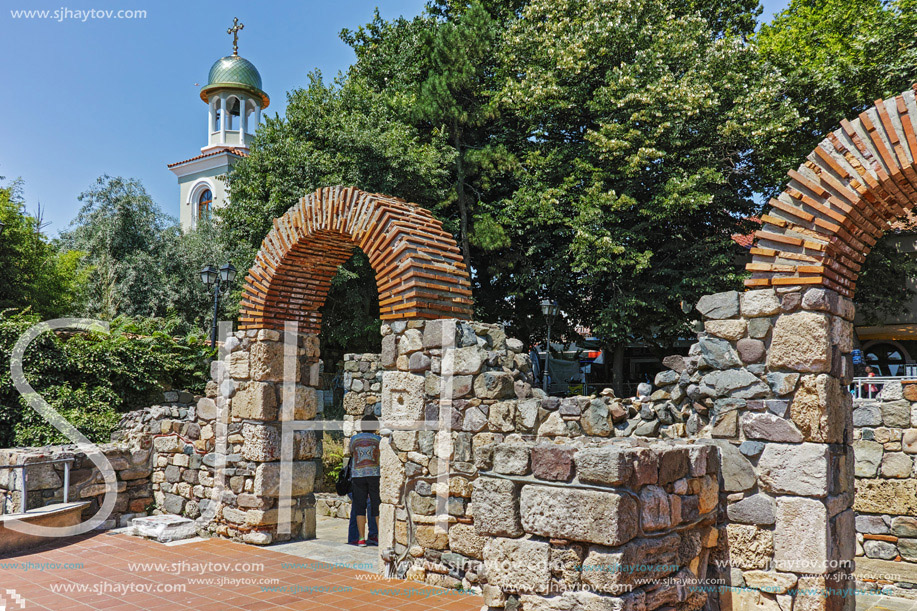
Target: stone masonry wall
<point x="596" y="524"/>
<point x="885" y="445"/>
<point x="363" y="390"/>
<point x="485" y="435"/>
<point x="440" y="404"/>
<point x="130" y="455"/>
<point x="775" y="365"/>
<point x="222" y="463"/>
<point x="45" y="482"/>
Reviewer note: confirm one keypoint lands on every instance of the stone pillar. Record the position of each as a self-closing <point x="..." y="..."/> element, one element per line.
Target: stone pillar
<point x="449" y="387"/>
<point x="261" y="393"/>
<point x="775" y="364"/>
<point x="363" y="388"/>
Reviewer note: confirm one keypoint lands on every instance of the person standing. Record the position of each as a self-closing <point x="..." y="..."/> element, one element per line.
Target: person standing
<point x="872" y="389"/>
<point x="353" y="535"/>
<point x="364" y="452"/>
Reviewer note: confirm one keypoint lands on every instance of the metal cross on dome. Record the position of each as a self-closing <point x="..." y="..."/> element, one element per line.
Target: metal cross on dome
<point x="234" y="30"/>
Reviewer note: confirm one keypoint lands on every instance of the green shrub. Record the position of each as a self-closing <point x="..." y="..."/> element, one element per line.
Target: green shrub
<point x="93" y="377"/>
<point x="332" y="460"/>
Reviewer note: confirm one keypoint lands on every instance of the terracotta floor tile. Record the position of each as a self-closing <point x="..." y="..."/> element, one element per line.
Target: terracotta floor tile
<point x="106" y="564"/>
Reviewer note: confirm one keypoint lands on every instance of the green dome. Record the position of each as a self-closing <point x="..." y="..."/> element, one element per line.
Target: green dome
<point x="234" y="72"/>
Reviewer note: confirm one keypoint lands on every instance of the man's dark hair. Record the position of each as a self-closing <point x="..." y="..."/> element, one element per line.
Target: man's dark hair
<point x="370" y="417"/>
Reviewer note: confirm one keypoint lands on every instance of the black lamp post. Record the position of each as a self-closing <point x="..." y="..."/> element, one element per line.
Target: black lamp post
<point x="2" y="227"/>
<point x="550" y="309"/>
<point x="220" y="281"/>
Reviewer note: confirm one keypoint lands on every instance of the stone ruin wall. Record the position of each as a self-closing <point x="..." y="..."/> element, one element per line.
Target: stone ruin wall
<point x="130" y="455"/>
<point x="363" y="390"/>
<point x="45" y="482"/>
<point x="224" y="463"/>
<point x="765" y="385"/>
<point x="885" y="445"/>
<point x="592" y="523"/>
<point x="513" y="466"/>
<point x="771" y="372"/>
<point x="485" y="371"/>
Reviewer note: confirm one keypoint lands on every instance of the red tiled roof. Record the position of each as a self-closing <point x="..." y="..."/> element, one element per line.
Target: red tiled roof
<point x="232" y="150"/>
<point x="746" y="241"/>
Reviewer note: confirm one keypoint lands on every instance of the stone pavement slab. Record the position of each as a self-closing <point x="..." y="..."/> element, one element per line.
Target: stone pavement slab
<point x="869" y="602"/>
<point x="330" y="545"/>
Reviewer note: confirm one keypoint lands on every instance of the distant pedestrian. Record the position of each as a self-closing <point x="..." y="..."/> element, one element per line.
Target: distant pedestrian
<point x="871" y="389"/>
<point x="364" y="452"/>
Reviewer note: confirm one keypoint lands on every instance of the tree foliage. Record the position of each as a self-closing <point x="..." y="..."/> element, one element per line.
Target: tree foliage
<point x="90" y="378"/>
<point x="645" y="127"/>
<point x="121" y="231"/>
<point x="883" y="289"/>
<point x="839" y="57"/>
<point x="33" y="273"/>
<point x="600" y="153"/>
<point x="137" y="261"/>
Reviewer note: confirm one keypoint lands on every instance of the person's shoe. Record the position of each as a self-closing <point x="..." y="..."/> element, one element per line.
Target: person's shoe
<point x="353" y="543"/>
<point x="372" y="542"/>
<point x="361" y="543"/>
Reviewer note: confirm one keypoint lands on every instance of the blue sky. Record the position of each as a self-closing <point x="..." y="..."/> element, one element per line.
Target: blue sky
<point x="82" y="99"/>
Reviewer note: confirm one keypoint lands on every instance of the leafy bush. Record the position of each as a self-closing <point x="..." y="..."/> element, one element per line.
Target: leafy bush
<point x="332" y="460"/>
<point x="92" y="377"/>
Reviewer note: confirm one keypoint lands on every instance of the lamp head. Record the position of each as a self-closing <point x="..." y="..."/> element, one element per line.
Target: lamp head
<point x="209" y="275"/>
<point x="228" y="273"/>
<point x="550" y="309"/>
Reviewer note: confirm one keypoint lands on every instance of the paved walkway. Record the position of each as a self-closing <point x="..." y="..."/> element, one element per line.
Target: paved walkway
<point x="117" y="572"/>
<point x="330" y="545"/>
<point x="869" y="602"/>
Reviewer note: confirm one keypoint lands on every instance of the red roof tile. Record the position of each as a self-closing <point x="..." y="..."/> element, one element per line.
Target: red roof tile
<point x="231" y="150"/>
<point x="746" y="241"/>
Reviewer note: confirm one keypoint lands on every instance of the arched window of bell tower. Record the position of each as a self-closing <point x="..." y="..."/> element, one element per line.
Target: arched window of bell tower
<point x="251" y="120"/>
<point x="233" y="108"/>
<point x="214" y="114"/>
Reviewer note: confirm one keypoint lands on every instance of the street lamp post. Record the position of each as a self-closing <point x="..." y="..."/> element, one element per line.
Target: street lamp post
<point x="2" y="227"/>
<point x="550" y="309"/>
<point x="220" y="281"/>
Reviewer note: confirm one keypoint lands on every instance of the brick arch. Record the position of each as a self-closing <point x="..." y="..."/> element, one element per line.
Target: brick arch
<point x="419" y="268"/>
<point x="858" y="180"/>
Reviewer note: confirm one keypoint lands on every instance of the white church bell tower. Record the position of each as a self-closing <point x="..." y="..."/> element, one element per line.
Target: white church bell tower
<point x="234" y="101"/>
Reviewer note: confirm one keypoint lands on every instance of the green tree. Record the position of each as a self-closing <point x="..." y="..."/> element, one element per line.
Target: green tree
<point x="601" y="153"/>
<point x="91" y="378"/>
<point x="136" y="260"/>
<point x="33" y="274"/>
<point x="837" y="58"/>
<point x="453" y="96"/>
<point x="183" y="254"/>
<point x="646" y="124"/>
<point x="882" y="289"/>
<point x="446" y="60"/>
<point x="121" y="231"/>
<point x="337" y="133"/>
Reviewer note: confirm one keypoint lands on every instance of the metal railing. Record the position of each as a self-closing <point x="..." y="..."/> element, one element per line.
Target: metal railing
<point x="24" y="479"/>
<point x="869" y="388"/>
